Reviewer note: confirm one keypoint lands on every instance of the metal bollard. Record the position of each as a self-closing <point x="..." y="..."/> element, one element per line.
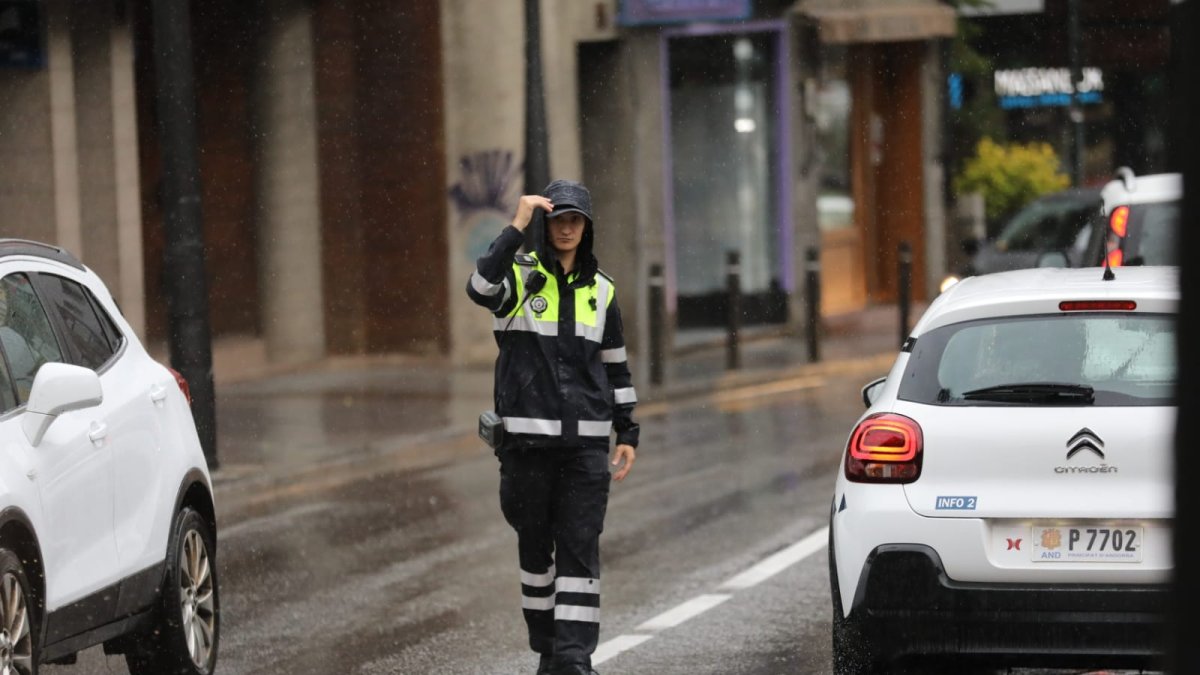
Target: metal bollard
<point x="904" y="290"/>
<point x="657" y="312"/>
<point x="734" y="318"/>
<point x="812" y="301"/>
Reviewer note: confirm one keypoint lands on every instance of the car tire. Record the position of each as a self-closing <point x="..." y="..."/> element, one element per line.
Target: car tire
<point x="851" y="653"/>
<point x="19" y="650"/>
<point x="186" y="630"/>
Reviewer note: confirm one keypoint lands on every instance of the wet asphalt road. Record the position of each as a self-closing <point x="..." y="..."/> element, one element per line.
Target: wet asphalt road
<point x="414" y="571"/>
<point x="399" y="561"/>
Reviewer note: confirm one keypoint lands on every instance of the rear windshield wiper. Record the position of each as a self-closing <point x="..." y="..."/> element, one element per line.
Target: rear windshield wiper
<point x="1033" y="392"/>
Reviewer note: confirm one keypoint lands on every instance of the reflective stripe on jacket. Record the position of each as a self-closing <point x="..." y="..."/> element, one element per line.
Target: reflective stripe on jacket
<point x="562" y="375"/>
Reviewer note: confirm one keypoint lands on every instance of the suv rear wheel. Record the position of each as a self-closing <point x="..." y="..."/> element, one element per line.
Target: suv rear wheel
<point x="18" y="653"/>
<point x="187" y="626"/>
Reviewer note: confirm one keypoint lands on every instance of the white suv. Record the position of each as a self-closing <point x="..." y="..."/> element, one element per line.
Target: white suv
<point x="1138" y="223"/>
<point x="107" y="523"/>
<point x="1007" y="497"/>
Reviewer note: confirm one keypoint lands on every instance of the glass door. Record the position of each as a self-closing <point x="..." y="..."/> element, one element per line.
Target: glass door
<point x="725" y="137"/>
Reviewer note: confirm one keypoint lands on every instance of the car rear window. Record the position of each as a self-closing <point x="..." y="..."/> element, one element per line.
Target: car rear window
<point x="1153" y="234"/>
<point x="1126" y="358"/>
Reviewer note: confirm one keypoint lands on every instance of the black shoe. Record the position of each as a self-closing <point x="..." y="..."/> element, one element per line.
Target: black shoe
<point x="544" y="664"/>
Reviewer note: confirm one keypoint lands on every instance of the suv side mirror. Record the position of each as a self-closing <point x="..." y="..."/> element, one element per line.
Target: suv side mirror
<point x="58" y="388"/>
<point x="871" y="391"/>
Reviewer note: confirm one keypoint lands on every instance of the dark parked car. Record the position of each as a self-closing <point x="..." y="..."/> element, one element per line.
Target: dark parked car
<point x="1051" y="223"/>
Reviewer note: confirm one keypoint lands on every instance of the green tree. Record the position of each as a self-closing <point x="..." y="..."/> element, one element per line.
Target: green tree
<point x="1010" y="176"/>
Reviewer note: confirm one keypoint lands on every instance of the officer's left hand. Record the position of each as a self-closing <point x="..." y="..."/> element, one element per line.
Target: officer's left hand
<point x="627" y="452"/>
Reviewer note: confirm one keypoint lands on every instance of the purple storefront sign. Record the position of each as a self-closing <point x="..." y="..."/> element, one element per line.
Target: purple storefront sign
<point x="639" y="12"/>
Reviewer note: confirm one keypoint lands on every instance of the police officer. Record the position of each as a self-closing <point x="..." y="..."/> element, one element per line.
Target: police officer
<point x="562" y="385"/>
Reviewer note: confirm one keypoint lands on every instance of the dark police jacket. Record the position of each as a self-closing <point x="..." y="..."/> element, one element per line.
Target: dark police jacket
<point x="562" y="378"/>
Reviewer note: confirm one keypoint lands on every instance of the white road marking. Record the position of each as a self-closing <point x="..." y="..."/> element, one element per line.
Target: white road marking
<point x="617" y="645"/>
<point x="778" y="562"/>
<point x="674" y="617"/>
<point x="757" y="573"/>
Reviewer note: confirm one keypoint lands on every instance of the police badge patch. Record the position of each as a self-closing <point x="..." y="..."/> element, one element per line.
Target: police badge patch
<point x="539" y="304"/>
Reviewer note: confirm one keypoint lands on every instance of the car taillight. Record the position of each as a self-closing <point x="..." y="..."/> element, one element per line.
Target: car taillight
<point x="183" y="385"/>
<point x="885" y="448"/>
<point x="1118" y="224"/>
<point x="1119" y="220"/>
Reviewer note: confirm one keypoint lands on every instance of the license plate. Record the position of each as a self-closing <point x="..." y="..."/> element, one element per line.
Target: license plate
<point x="1086" y="543"/>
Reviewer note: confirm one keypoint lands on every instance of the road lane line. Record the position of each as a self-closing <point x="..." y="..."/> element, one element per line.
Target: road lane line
<point x="776" y="563"/>
<point x="679" y="614"/>
<point x="615" y="646"/>
<point x="757" y="573"/>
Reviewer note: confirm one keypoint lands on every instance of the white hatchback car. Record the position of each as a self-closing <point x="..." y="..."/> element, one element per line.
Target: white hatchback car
<point x="1007" y="498"/>
<point x="107" y="523"/>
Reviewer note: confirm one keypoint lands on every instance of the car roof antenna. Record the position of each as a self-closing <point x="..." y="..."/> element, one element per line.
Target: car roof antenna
<point x="1108" y="273"/>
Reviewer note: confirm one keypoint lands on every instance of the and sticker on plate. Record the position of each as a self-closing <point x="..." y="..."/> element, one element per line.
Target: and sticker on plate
<point x="956" y="503"/>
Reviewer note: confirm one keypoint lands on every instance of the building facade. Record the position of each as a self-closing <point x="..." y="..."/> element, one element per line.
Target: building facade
<point x="357" y="155"/>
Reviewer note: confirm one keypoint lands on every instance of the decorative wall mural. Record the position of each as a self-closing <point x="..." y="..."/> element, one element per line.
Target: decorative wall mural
<point x="486" y="196"/>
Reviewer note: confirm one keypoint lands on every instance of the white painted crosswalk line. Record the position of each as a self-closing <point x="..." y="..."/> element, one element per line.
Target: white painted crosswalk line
<point x="679" y="614"/>
<point x="778" y="562"/>
<point x="757" y="573"/>
<point x="617" y="645"/>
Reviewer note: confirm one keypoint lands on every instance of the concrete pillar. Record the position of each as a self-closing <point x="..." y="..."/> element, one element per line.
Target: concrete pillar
<point x="932" y="138"/>
<point x="64" y="148"/>
<point x="803" y="174"/>
<point x="127" y="172"/>
<point x="560" y="75"/>
<point x="643" y="65"/>
<point x="287" y="184"/>
<point x="106" y="134"/>
<point x="621" y="122"/>
<point x="483" y="62"/>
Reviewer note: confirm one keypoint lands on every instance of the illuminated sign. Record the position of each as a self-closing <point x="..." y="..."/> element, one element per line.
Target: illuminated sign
<point x="638" y="12"/>
<point x="1039" y="87"/>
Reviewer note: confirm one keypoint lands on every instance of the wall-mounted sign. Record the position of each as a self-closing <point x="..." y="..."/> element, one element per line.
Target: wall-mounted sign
<point x="21" y="33"/>
<point x="641" y="12"/>
<point x="1040" y="87"/>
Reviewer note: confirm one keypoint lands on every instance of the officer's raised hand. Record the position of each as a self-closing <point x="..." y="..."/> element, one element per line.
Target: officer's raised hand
<point x="627" y="453"/>
<point x="525" y="209"/>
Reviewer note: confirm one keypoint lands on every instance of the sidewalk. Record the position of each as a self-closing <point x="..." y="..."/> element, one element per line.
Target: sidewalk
<point x="278" y="422"/>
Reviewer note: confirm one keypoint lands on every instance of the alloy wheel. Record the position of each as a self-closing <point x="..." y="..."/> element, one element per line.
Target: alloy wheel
<point x="16" y="640"/>
<point x="196" y="598"/>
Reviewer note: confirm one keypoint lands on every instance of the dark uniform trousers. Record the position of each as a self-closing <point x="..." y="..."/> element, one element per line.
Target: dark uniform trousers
<point x="555" y="498"/>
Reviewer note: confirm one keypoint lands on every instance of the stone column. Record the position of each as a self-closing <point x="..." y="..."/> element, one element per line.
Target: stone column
<point x="937" y="239"/>
<point x="483" y="71"/>
<point x="287" y="185"/>
<point x="106" y="134"/>
<point x="64" y="147"/>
